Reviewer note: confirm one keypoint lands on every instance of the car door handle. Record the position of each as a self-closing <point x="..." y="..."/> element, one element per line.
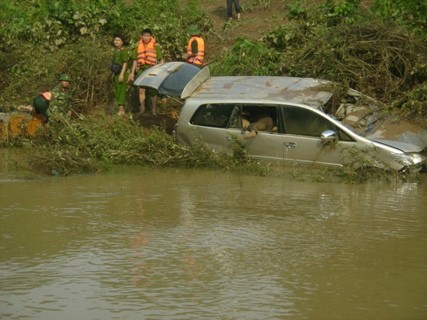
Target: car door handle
<point x="290" y="145"/>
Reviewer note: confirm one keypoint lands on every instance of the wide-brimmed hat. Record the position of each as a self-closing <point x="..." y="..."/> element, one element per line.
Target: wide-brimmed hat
<point x="193" y="30"/>
<point x="64" y="77"/>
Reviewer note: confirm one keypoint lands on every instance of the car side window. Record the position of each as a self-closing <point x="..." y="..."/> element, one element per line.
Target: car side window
<point x="308" y="123"/>
<point x="261" y="117"/>
<point x="344" y="136"/>
<point x="213" y="115"/>
<point x="305" y="122"/>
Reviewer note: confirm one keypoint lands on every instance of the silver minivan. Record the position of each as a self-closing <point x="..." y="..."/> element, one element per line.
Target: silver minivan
<point x="296" y="120"/>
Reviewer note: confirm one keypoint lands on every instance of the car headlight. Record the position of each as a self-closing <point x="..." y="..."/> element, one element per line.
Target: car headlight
<point x="409" y="159"/>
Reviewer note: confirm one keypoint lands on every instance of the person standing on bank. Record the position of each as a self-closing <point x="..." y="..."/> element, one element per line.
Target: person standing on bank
<point x="119" y="68"/>
<point x="147" y="54"/>
<point x="230" y="9"/>
<point x="196" y="47"/>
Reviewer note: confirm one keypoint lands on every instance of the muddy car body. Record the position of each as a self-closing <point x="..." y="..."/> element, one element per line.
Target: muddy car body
<point x="310" y="121"/>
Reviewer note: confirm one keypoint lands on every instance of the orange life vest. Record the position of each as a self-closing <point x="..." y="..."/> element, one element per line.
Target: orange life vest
<point x="146" y="53"/>
<point x="198" y="58"/>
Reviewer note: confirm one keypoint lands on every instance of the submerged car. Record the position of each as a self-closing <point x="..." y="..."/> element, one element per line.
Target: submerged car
<point x="296" y="120"/>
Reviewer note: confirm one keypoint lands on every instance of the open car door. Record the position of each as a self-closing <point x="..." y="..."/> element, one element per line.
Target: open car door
<point x="176" y="79"/>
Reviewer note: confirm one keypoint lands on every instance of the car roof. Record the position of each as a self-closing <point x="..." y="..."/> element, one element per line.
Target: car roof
<point x="188" y="81"/>
<point x="308" y="91"/>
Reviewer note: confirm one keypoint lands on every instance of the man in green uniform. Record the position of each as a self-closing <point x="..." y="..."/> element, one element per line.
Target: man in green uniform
<point x="120" y="80"/>
<point x="61" y="96"/>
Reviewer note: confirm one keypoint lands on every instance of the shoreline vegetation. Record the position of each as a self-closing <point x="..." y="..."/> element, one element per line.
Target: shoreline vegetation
<point x="377" y="47"/>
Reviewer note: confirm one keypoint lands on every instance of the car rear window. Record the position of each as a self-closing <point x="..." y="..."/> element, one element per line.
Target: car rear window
<point x="208" y="115"/>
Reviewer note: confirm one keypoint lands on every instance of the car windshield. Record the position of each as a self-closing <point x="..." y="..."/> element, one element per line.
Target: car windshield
<point x="360" y="113"/>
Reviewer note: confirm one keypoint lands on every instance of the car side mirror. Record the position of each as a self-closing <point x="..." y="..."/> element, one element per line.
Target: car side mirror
<point x="328" y="136"/>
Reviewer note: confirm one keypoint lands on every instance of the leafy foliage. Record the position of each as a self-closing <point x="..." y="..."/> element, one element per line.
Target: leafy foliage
<point x="414" y="102"/>
<point x="46" y="38"/>
<point x="36" y="71"/>
<point x="379" y="58"/>
<point x="247" y="57"/>
<point x="96" y="142"/>
<point x="52" y="24"/>
<point x="412" y="14"/>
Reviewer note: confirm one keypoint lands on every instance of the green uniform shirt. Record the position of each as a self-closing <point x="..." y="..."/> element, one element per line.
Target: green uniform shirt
<point x="61" y="100"/>
<point x="41" y="106"/>
<point x="120" y="57"/>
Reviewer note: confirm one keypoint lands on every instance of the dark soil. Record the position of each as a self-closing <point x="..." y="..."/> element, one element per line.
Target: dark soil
<point x="255" y="21"/>
<point x="161" y="121"/>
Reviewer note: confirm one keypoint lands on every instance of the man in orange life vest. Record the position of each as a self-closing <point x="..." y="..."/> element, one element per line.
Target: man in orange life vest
<point x="147" y="54"/>
<point x="196" y="47"/>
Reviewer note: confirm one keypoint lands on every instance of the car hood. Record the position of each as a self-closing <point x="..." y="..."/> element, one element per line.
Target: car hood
<point x="405" y="135"/>
<point x="405" y="147"/>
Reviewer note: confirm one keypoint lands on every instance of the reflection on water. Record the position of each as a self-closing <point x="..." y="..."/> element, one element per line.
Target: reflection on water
<point x="186" y="244"/>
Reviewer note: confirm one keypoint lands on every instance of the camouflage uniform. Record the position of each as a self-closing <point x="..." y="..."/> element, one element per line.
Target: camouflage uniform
<point x="61" y="98"/>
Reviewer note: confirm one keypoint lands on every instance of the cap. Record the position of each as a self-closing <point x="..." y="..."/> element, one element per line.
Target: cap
<point x="64" y="77"/>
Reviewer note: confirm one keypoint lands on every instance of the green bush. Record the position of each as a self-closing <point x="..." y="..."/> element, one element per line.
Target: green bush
<point x="377" y="57"/>
<point x="97" y="142"/>
<point x="412" y="14"/>
<point x="247" y="57"/>
<point x="46" y="38"/>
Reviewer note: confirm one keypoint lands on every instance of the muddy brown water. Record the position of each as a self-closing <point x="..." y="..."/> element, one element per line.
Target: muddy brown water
<point x="196" y="244"/>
